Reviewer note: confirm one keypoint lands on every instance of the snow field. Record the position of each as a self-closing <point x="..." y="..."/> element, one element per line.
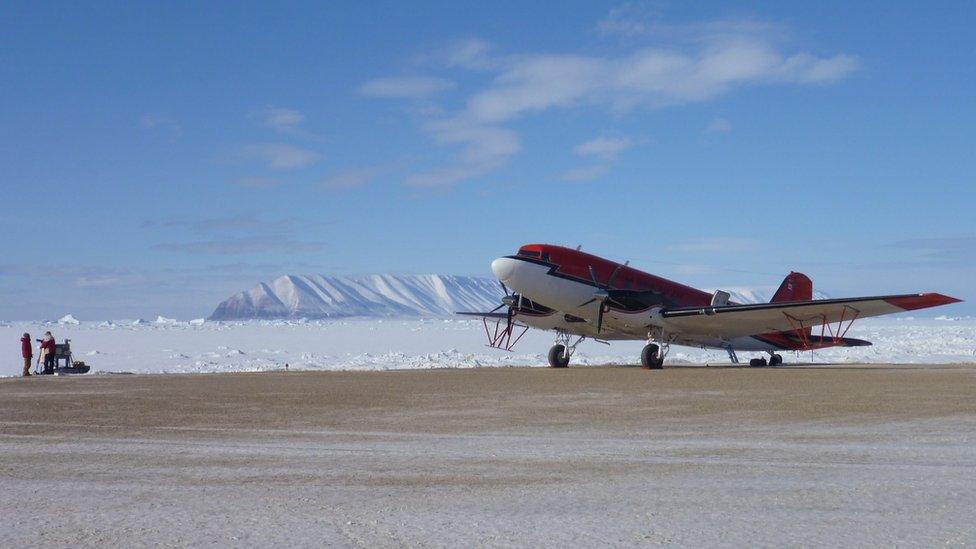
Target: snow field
<point x="171" y="346"/>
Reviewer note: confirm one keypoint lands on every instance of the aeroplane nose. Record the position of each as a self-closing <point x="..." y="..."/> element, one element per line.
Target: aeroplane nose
<point x="503" y="267"/>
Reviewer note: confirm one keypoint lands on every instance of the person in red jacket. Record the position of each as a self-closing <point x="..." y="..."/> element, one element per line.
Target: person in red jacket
<point x="47" y="350"/>
<point x="28" y="351"/>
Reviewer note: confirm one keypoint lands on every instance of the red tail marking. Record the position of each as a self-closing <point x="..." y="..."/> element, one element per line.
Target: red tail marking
<point x="795" y="287"/>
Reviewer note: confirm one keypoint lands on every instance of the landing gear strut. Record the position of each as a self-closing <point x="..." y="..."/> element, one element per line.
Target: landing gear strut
<point x="775" y="359"/>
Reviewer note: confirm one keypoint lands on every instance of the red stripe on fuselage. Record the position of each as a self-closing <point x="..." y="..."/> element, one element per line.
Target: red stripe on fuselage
<point x="576" y="264"/>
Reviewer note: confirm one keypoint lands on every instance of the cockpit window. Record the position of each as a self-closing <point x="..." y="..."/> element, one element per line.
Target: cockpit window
<point x="529" y="253"/>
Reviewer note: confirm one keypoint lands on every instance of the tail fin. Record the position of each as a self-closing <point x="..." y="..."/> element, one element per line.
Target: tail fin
<point x="795" y="287"/>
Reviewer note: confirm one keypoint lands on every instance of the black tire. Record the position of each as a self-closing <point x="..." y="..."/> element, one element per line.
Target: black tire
<point x="775" y="360"/>
<point x="650" y="359"/>
<point x="556" y="357"/>
<point x="757" y="362"/>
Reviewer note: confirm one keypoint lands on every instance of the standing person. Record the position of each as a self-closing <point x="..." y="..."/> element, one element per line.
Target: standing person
<point x="28" y="352"/>
<point x="47" y="348"/>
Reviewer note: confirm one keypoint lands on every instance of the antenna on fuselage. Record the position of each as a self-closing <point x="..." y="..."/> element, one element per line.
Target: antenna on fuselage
<point x="579" y="247"/>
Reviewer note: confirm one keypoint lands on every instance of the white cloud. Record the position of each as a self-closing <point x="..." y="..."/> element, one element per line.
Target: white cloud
<point x="650" y="77"/>
<point x="352" y="178"/>
<point x="604" y="148"/>
<point x="585" y="173"/>
<point x="155" y="122"/>
<point x="628" y="19"/>
<point x="405" y="87"/>
<point x="469" y="54"/>
<point x="716" y="244"/>
<point x="698" y="63"/>
<point x="256" y="182"/>
<point x="281" y="156"/>
<point x="484" y="148"/>
<point x="280" y="119"/>
<point x="718" y="125"/>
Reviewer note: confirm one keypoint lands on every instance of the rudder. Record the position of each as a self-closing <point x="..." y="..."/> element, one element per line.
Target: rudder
<point x="795" y="287"/>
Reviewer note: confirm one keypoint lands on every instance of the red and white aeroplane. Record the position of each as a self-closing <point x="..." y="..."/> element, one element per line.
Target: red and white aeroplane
<point x="579" y="295"/>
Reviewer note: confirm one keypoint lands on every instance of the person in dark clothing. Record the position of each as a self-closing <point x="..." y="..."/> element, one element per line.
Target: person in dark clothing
<point x="28" y="352"/>
<point x="47" y="348"/>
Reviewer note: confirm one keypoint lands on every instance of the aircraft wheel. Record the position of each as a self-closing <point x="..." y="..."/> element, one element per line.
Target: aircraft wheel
<point x="775" y="360"/>
<point x="556" y="357"/>
<point x="757" y="362"/>
<point x="650" y="358"/>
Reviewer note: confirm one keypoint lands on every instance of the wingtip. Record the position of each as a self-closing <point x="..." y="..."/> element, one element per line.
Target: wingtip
<point x="922" y="301"/>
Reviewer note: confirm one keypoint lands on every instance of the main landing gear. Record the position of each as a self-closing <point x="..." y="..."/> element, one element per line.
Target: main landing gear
<point x="774" y="360"/>
<point x="561" y="351"/>
<point x="652" y="356"/>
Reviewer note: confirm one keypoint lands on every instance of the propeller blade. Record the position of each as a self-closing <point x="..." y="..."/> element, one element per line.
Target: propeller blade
<point x="613" y="276"/>
<point x="593" y="276"/>
<point x="504" y="288"/>
<point x="599" y="320"/>
<point x="585" y="303"/>
<point x="496" y="308"/>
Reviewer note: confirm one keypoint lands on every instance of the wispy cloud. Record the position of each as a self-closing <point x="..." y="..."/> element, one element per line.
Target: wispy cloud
<point x="256" y="182"/>
<point x="405" y="87"/>
<point x="470" y="54"/>
<point x="483" y="149"/>
<point x="157" y="122"/>
<point x="699" y="63"/>
<point x="717" y="125"/>
<point x="966" y="242"/>
<point x="650" y="77"/>
<point x="628" y="19"/>
<point x="242" y="245"/>
<point x="246" y="221"/>
<point x="240" y="233"/>
<point x="585" y="173"/>
<point x="716" y="244"/>
<point x="352" y="178"/>
<point x="604" y="148"/>
<point x="280" y="156"/>
<point x="280" y="119"/>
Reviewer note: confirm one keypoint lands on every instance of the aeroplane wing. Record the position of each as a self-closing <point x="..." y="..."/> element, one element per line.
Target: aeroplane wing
<point x="492" y="315"/>
<point x="760" y="318"/>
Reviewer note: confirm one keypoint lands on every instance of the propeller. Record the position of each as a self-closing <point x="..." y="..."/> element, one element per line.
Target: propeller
<point x="602" y="295"/>
<point x="514" y="303"/>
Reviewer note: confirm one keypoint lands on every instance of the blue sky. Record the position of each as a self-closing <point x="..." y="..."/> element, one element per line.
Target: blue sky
<point x="156" y="158"/>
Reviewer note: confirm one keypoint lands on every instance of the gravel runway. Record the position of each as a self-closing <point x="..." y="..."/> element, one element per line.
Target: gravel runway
<point x="821" y="455"/>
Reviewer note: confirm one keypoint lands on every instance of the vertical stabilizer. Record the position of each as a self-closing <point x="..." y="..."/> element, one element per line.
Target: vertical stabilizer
<point x="795" y="287"/>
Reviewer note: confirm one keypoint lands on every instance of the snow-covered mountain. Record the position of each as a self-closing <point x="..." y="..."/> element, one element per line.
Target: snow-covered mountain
<point x="759" y="294"/>
<point x="384" y="295"/>
<point x="319" y="296"/>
